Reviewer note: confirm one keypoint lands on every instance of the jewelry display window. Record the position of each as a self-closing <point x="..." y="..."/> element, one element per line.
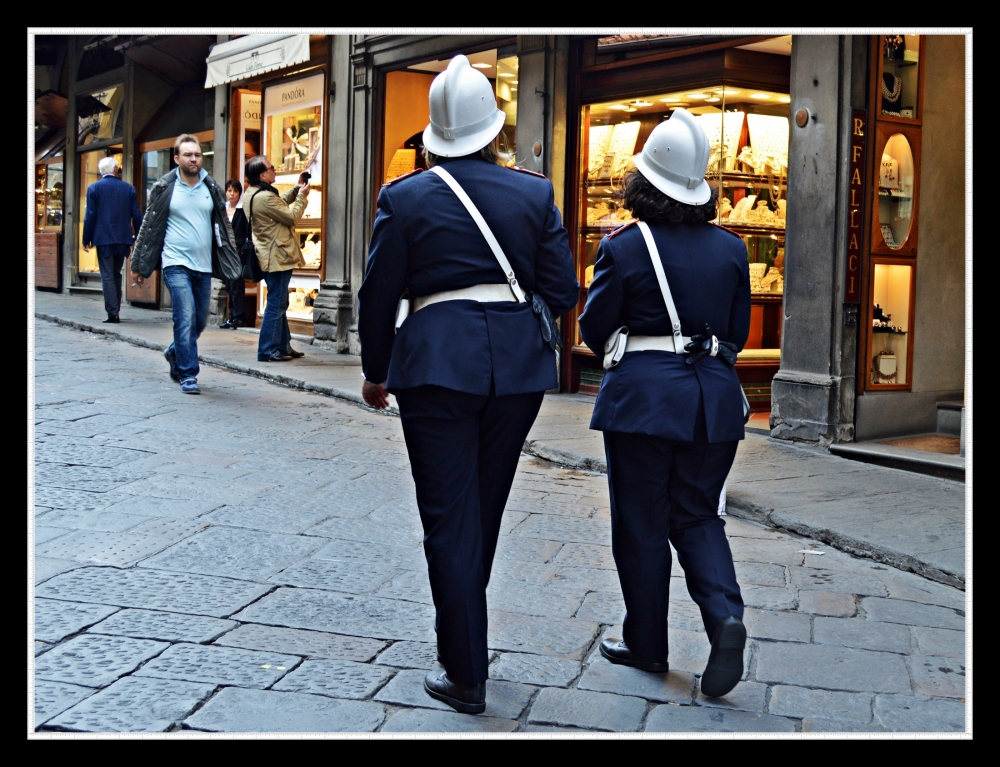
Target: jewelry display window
<point x="291" y="137"/>
<point x="891" y="338"/>
<point x="748" y="131"/>
<point x="89" y="173"/>
<point x="897" y="187"/>
<point x="302" y="292"/>
<point x="900" y="77"/>
<point x="49" y="197"/>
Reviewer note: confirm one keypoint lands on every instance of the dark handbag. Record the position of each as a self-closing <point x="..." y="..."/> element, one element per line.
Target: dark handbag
<point x="248" y="254"/>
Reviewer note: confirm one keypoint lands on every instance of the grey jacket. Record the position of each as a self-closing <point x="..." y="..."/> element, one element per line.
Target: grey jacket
<point x="146" y="254"/>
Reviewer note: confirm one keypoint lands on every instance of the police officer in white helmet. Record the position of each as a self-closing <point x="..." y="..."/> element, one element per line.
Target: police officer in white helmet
<point x="468" y="266"/>
<point x="668" y="309"/>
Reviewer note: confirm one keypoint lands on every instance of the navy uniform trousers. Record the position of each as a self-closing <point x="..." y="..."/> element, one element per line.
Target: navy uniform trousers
<point x="662" y="492"/>
<point x="463" y="450"/>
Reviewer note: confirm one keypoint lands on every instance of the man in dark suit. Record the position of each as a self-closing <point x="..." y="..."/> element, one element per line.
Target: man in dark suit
<point x="470" y="365"/>
<point x="112" y="221"/>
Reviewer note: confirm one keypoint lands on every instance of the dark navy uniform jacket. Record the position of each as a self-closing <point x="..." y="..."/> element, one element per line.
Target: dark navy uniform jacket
<point x="425" y="241"/>
<point x="655" y="392"/>
<point x="113" y="216"/>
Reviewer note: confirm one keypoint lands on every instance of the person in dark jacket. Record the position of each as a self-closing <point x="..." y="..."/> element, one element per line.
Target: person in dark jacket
<point x="671" y="410"/>
<point x="186" y="230"/>
<point x="236" y="288"/>
<point x="111" y="223"/>
<point x="469" y="365"/>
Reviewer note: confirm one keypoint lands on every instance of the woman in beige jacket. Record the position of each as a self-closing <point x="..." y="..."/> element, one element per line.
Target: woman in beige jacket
<point x="272" y="218"/>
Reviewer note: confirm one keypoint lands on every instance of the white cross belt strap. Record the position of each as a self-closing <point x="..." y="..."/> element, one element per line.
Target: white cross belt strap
<point x="484" y="294"/>
<point x="484" y="228"/>
<point x="677" y="340"/>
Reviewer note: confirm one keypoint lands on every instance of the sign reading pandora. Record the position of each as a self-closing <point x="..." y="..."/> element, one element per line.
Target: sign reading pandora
<point x="855" y="207"/>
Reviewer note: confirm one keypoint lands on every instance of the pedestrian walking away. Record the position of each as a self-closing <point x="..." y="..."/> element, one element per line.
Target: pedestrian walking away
<point x="272" y="218"/>
<point x="482" y="257"/>
<point x="186" y="233"/>
<point x="112" y="221"/>
<point x="236" y="288"/>
<point x="669" y="308"/>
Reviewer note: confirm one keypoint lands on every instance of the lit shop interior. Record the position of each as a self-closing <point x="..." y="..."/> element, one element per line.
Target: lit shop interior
<point x="747" y="128"/>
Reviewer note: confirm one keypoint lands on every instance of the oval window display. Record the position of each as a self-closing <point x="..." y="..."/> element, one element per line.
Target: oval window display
<point x="895" y="191"/>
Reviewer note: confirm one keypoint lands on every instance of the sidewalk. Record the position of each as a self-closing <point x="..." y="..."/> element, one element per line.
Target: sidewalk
<point x="909" y="521"/>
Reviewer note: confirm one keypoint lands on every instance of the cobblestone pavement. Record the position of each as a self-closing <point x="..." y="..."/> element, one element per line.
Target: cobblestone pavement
<point x="250" y="560"/>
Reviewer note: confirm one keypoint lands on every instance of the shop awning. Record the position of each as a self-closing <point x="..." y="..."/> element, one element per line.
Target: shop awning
<point x="253" y="55"/>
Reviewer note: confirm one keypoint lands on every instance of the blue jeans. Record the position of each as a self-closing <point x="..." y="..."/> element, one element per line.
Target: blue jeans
<point x="110" y="259"/>
<point x="275" y="337"/>
<point x="189" y="293"/>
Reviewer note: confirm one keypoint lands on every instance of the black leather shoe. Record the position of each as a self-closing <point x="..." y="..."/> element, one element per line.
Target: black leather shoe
<point x="467" y="698"/>
<point x="112" y="318"/>
<point x="725" y="663"/>
<point x="616" y="651"/>
<point x="294" y="354"/>
<point x="276" y="357"/>
<point x="231" y="324"/>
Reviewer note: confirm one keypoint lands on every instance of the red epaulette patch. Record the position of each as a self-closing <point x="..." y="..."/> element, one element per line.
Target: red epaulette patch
<point x="400" y="178"/>
<point x="623" y="227"/>
<point x="729" y="231"/>
<point x="525" y="170"/>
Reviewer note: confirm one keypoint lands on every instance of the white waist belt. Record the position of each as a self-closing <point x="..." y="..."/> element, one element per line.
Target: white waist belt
<point x="657" y="343"/>
<point x="484" y="294"/>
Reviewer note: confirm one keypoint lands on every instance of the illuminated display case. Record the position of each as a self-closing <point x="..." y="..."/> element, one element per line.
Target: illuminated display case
<point x="747" y="129"/>
<point x="49" y="197"/>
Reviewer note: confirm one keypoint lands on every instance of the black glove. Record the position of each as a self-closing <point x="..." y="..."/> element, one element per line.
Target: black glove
<point x="700" y="346"/>
<point x="546" y="322"/>
<point x="727" y="352"/>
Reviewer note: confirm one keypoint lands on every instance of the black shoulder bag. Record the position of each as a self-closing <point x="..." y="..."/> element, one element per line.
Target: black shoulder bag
<point x="248" y="254"/>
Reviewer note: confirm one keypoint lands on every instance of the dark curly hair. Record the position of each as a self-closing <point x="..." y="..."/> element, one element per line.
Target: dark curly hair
<point x="649" y="204"/>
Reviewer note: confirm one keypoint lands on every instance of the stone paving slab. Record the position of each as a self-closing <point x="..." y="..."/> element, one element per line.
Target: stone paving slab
<point x="62" y="498"/>
<point x="942" y="642"/>
<point x="95" y="661"/>
<point x="288" y="521"/>
<point x="55" y="620"/>
<point x="801" y="702"/>
<point x="235" y="553"/>
<point x="865" y="635"/>
<point x="419" y="655"/>
<point x="673" y="687"/>
<point x="335" y="679"/>
<point x="423" y="720"/>
<point x="772" y="624"/>
<point x="534" y="600"/>
<point x="332" y="612"/>
<point x="831" y="604"/>
<point x="911" y="613"/>
<point x="937" y="676"/>
<point x="53" y="698"/>
<point x="167" y="627"/>
<point x="669" y="718"/>
<point x="587" y="710"/>
<point x="239" y="710"/>
<point x="152" y="589"/>
<point x="906" y="713"/>
<point x="104" y="520"/>
<point x="351" y="576"/>
<point x="829" y="581"/>
<point x="815" y="724"/>
<point x="47" y="567"/>
<point x="831" y="668"/>
<point x="311" y="644"/>
<point x="99" y="548"/>
<point x="178" y="508"/>
<point x="134" y="704"/>
<point x="513" y="632"/>
<point x="43" y="534"/>
<point x="220" y="665"/>
<point x="542" y="670"/>
<point x="746" y="696"/>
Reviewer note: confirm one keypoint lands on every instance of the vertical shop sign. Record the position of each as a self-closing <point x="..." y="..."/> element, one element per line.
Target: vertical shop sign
<point x="855" y="207"/>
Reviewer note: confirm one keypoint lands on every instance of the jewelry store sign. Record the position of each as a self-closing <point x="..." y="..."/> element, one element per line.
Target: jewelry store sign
<point x="855" y="207"/>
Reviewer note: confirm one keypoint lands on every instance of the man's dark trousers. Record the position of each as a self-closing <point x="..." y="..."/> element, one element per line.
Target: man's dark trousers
<point x="665" y="492"/>
<point x="463" y="450"/>
<point x="110" y="259"/>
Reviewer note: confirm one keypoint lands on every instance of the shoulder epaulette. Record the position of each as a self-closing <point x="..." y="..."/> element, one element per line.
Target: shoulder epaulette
<point x="729" y="231"/>
<point x="400" y="178"/>
<point x="525" y="170"/>
<point x="623" y="227"/>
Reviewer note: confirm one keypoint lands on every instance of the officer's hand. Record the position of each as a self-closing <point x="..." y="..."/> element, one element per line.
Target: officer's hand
<point x="375" y="395"/>
<point x="700" y="346"/>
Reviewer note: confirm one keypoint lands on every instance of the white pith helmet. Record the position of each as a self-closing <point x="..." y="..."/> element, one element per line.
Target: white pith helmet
<point x="464" y="114"/>
<point x="675" y="157"/>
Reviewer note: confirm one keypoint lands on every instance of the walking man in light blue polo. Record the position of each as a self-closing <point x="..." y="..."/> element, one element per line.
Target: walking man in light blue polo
<point x="186" y="232"/>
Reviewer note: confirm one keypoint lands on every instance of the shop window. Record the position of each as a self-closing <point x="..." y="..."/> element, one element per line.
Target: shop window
<point x="892" y="313"/>
<point x="89" y="173"/>
<point x="302" y="292"/>
<point x="99" y="115"/>
<point x="157" y="162"/>
<point x="407" y="113"/>
<point x="49" y="197"/>
<point x="895" y="191"/>
<point x="899" y="87"/>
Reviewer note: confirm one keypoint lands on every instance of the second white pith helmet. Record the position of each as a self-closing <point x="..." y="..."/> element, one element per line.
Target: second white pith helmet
<point x="464" y="114"/>
<point x="675" y="158"/>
